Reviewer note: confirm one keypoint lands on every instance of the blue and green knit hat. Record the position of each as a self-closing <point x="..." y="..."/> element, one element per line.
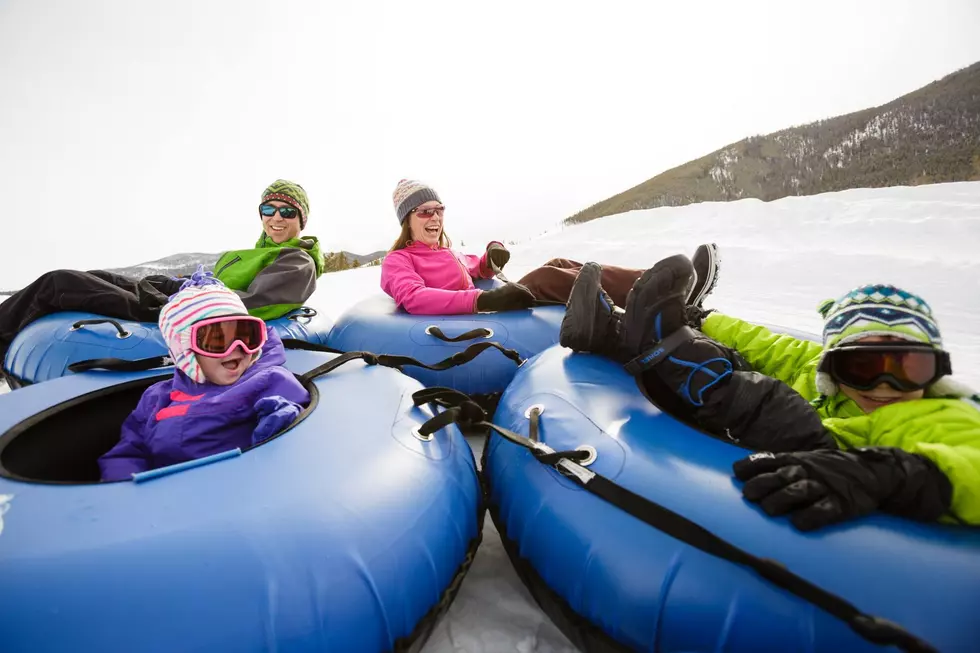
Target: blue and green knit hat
<point x="875" y="310"/>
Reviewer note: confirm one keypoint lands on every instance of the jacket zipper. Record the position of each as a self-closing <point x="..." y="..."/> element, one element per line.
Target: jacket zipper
<point x="464" y="274"/>
<point x="225" y="266"/>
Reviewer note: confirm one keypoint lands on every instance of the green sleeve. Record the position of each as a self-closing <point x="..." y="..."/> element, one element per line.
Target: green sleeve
<point x="946" y="431"/>
<point x="777" y="355"/>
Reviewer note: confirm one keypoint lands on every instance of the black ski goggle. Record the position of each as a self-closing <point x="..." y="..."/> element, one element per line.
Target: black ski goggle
<point x="287" y="212"/>
<point x="904" y="367"/>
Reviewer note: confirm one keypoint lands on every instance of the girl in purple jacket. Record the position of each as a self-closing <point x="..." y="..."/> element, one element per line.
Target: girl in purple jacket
<point x="425" y="276"/>
<point x="229" y="388"/>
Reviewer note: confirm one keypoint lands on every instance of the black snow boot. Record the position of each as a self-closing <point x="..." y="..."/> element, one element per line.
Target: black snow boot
<point x="592" y="320"/>
<point x="657" y="340"/>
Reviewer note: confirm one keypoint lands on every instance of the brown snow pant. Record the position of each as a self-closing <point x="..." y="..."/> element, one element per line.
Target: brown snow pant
<point x="553" y="280"/>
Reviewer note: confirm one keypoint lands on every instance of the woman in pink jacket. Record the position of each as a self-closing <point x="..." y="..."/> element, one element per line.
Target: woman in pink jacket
<point x="425" y="276"/>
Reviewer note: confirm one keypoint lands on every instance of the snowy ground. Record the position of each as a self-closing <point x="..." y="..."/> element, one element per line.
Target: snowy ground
<point x="779" y="259"/>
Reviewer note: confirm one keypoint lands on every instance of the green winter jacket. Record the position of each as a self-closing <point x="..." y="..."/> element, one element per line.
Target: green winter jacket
<point x="272" y="279"/>
<point x="944" y="426"/>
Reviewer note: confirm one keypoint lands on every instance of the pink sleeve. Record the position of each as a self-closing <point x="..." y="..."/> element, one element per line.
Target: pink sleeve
<point x="400" y="280"/>
<point x="478" y="266"/>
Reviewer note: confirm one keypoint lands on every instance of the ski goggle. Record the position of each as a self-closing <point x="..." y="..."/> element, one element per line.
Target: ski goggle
<point x="287" y="212"/>
<point x="216" y="337"/>
<point x="903" y="367"/>
<point x="425" y="214"/>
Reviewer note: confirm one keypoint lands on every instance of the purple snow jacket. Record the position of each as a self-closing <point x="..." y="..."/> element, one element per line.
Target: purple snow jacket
<point x="178" y="420"/>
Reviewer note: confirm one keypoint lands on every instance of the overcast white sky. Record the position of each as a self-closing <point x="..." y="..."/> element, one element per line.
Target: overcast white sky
<point x="130" y="130"/>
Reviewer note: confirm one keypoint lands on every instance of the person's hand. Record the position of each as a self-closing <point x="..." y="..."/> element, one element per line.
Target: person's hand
<point x="816" y="488"/>
<point x="498" y="255"/>
<point x="275" y="413"/>
<point x="509" y="297"/>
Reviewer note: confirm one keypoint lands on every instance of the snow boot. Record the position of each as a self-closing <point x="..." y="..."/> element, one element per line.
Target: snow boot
<point x="657" y="340"/>
<point x="591" y="322"/>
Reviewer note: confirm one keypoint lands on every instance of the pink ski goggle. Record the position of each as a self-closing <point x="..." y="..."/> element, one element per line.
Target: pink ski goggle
<point x="216" y="337"/>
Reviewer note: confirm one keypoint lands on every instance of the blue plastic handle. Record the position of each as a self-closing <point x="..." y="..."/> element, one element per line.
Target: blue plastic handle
<point x="151" y="474"/>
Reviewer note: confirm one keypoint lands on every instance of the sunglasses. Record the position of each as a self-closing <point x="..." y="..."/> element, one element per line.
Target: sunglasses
<point x="287" y="212"/>
<point x="904" y="367"/>
<point x="425" y="214"/>
<point x="217" y="337"/>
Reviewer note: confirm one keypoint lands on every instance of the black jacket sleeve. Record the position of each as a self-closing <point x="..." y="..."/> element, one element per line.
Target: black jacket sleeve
<point x="763" y="413"/>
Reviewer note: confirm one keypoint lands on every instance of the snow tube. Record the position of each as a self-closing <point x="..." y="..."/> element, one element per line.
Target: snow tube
<point x="45" y="348"/>
<point x="345" y="533"/>
<point x="614" y="582"/>
<point x="377" y="325"/>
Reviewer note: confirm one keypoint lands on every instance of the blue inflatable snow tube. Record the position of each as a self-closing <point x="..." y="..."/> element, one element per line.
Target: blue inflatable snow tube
<point x="613" y="582"/>
<point x="345" y="533"/>
<point x="45" y="348"/>
<point x="375" y="324"/>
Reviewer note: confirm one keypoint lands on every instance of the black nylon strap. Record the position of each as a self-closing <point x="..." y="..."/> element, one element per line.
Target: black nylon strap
<point x="121" y="364"/>
<point x="296" y="343"/>
<point x="388" y="360"/>
<point x="472" y="334"/>
<point x="874" y="629"/>
<point x="659" y="351"/>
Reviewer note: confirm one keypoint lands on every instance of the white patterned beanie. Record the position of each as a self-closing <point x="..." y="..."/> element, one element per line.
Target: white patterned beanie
<point x="874" y="310"/>
<point x="409" y="195"/>
<point x="199" y="298"/>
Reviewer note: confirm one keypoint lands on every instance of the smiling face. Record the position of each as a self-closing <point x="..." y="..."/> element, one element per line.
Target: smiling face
<point x="278" y="228"/>
<point x="883" y="394"/>
<point x="226" y="370"/>
<point x="426" y="227"/>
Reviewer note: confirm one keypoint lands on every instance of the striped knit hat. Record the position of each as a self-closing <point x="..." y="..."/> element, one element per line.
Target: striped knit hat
<point x="291" y="193"/>
<point x="875" y="310"/>
<point x="201" y="297"/>
<point x="410" y="195"/>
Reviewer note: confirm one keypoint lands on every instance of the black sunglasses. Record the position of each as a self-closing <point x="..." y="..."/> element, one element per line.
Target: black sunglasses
<point x="287" y="212"/>
<point x="904" y="367"/>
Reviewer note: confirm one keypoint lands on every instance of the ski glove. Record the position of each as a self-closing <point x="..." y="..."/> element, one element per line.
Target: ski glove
<point x="509" y="297"/>
<point x="498" y="255"/>
<point x="275" y="413"/>
<point x="820" y="488"/>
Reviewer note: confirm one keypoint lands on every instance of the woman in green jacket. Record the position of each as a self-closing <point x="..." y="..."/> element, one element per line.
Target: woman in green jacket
<point x="866" y="420"/>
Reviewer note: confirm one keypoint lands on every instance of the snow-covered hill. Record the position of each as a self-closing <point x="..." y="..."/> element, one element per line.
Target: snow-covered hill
<point x="779" y="259"/>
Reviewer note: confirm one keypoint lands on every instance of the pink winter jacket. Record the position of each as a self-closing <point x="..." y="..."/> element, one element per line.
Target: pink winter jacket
<point x="433" y="281"/>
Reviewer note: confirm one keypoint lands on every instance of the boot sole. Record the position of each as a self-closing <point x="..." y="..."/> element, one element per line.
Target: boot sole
<point x="588" y="277"/>
<point x="714" y="261"/>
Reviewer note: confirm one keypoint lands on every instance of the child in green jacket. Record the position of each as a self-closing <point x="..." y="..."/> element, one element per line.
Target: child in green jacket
<point x="867" y="420"/>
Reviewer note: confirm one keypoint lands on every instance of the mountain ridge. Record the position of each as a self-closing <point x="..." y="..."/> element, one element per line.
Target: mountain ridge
<point x="930" y="135"/>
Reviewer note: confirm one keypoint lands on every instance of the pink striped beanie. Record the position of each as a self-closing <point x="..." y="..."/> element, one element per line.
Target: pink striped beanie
<point x="201" y="297"/>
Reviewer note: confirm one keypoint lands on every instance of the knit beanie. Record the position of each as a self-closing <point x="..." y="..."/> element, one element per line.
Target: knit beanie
<point x="410" y="195"/>
<point x="199" y="298"/>
<point x="874" y="310"/>
<point x="291" y="193"/>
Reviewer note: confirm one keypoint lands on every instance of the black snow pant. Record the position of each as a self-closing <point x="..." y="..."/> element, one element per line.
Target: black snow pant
<point x="753" y="410"/>
<point x="97" y="291"/>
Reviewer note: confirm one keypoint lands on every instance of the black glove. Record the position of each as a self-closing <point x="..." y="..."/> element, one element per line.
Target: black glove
<point x="509" y="297"/>
<point x="821" y="488"/>
<point x="498" y="255"/>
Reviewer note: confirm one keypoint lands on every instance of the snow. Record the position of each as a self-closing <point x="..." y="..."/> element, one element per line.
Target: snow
<point x="779" y="259"/>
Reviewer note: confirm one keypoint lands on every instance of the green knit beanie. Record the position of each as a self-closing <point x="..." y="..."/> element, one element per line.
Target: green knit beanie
<point x="291" y="193"/>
